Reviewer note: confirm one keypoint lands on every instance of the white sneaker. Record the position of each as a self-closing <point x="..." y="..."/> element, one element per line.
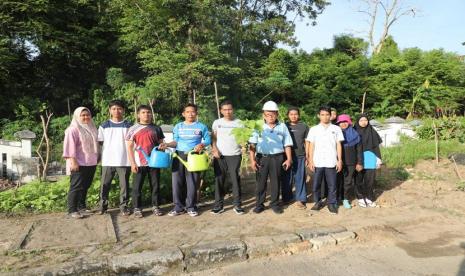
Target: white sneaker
<point x="370" y="203"/>
<point x="362" y="203"/>
<point x="192" y="213"/>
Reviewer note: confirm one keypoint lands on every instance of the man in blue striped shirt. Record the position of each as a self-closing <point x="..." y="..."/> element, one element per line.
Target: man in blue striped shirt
<point x="188" y="135"/>
<point x="270" y="153"/>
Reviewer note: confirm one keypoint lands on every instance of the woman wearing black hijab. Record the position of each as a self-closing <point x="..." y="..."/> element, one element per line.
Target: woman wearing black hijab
<point x="365" y="179"/>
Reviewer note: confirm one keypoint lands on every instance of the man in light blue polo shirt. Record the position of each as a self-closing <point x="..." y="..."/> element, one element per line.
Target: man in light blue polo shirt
<point x="270" y="153"/>
<point x="188" y="135"/>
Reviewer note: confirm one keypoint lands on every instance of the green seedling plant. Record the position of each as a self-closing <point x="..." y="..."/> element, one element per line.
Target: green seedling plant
<point x="243" y="134"/>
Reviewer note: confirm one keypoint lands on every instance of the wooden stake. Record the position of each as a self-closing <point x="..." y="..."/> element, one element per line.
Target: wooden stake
<point x="135" y="109"/>
<point x="194" y="96"/>
<point x="363" y="101"/>
<point x="216" y="98"/>
<point x="457" y="169"/>
<point x="151" y="102"/>
<point x="69" y="108"/>
<point x="436" y="141"/>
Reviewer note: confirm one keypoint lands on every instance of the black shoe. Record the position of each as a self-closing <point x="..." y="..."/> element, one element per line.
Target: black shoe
<point x="102" y="210"/>
<point x="217" y="210"/>
<point x="318" y="206"/>
<point x="258" y="210"/>
<point x="277" y="210"/>
<point x="286" y="202"/>
<point x="125" y="212"/>
<point x="239" y="210"/>
<point x="332" y="208"/>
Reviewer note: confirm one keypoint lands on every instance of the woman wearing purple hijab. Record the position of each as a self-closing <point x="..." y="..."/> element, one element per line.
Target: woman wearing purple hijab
<point x="352" y="159"/>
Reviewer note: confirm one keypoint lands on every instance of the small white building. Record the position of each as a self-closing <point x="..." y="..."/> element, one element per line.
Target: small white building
<point x="392" y="129"/>
<point x="16" y="161"/>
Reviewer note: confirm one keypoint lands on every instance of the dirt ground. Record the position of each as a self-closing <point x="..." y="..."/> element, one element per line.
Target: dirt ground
<point x="422" y="216"/>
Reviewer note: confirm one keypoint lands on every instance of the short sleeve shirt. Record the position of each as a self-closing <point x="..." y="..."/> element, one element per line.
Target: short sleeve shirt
<point x="145" y="137"/>
<point x="113" y="136"/>
<point x="187" y="136"/>
<point x="325" y="139"/>
<point x="272" y="140"/>
<point x="298" y="133"/>
<point x="225" y="141"/>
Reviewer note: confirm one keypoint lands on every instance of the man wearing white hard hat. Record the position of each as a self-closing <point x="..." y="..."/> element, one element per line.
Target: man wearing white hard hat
<point x="270" y="153"/>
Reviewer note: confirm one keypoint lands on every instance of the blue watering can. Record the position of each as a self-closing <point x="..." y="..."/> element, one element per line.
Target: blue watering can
<point x="157" y="159"/>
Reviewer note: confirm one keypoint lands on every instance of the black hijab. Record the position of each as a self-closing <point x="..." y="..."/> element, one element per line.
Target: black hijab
<point x="370" y="137"/>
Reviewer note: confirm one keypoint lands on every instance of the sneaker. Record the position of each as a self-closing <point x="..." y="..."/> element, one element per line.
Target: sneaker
<point x="332" y="209"/>
<point x="138" y="213"/>
<point x="217" y="210"/>
<point x="258" y="210"/>
<point x="76" y="215"/>
<point x="318" y="206"/>
<point x="370" y="203"/>
<point x="174" y="213"/>
<point x="300" y="205"/>
<point x="362" y="203"/>
<point x="192" y="213"/>
<point x="125" y="212"/>
<point x="239" y="210"/>
<point x="277" y="210"/>
<point x="85" y="212"/>
<point x="346" y="204"/>
<point x="157" y="211"/>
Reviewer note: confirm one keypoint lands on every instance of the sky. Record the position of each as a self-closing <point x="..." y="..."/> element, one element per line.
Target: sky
<point x="437" y="24"/>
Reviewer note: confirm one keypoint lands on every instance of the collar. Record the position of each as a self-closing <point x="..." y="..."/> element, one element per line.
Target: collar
<point x="265" y="125"/>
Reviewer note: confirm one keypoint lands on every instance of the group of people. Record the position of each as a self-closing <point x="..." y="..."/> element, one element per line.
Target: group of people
<point x="343" y="158"/>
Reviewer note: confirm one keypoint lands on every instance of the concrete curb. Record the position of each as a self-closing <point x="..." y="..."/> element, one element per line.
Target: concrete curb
<point x="175" y="260"/>
<point x="206" y="255"/>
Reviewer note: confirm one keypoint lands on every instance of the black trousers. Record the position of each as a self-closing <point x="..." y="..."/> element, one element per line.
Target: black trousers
<point x="154" y="182"/>
<point x="223" y="166"/>
<point x="324" y="188"/>
<point x="270" y="166"/>
<point x="185" y="185"/>
<point x="365" y="181"/>
<point x="345" y="182"/>
<point x="108" y="173"/>
<point x="80" y="182"/>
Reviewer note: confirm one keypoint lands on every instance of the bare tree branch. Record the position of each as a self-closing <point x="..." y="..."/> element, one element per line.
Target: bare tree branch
<point x="391" y="12"/>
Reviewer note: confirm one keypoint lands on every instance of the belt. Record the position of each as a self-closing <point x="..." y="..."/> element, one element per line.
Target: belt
<point x="260" y="155"/>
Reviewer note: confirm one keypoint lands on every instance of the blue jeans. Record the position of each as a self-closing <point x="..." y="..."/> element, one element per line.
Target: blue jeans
<point x="295" y="174"/>
<point x="330" y="176"/>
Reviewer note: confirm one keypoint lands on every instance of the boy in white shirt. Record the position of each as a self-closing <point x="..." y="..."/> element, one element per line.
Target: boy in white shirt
<point x="324" y="155"/>
<point x="112" y="135"/>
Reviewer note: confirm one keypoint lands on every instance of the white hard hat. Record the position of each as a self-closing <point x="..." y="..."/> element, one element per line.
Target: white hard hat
<point x="270" y="106"/>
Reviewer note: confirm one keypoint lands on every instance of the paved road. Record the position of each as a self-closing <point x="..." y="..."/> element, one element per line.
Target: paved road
<point x="356" y="260"/>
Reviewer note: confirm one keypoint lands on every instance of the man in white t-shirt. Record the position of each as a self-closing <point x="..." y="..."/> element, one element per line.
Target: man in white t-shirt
<point x="228" y="157"/>
<point x="112" y="135"/>
<point x="324" y="155"/>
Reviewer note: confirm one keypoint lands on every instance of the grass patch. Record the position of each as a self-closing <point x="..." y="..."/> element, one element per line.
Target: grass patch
<point x="461" y="185"/>
<point x="410" y="151"/>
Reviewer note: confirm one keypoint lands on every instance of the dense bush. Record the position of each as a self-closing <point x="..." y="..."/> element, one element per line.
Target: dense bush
<point x="52" y="196"/>
<point x="448" y="128"/>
